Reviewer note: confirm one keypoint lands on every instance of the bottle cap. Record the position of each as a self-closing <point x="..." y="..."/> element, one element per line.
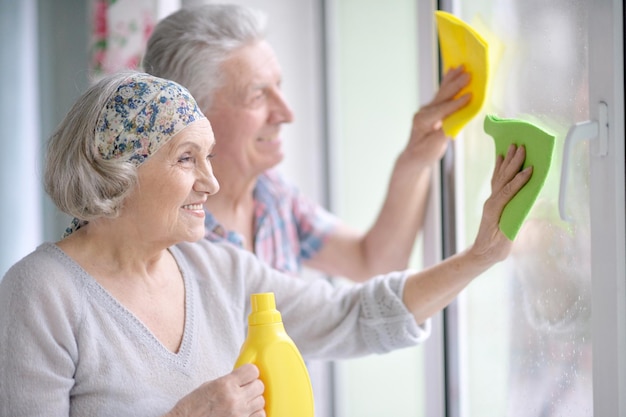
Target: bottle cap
<point x="263" y="309"/>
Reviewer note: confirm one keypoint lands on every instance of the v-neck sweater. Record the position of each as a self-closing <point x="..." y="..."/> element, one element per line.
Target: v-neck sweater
<point x="69" y="348"/>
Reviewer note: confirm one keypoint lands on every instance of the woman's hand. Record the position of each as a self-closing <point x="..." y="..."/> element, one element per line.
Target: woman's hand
<point x="428" y="291"/>
<point x="491" y="245"/>
<point x="238" y="394"/>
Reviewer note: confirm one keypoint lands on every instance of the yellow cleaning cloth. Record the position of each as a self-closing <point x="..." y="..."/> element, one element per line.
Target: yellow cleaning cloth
<point x="460" y="44"/>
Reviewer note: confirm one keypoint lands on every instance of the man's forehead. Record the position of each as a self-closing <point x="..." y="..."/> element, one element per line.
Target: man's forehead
<point x="251" y="66"/>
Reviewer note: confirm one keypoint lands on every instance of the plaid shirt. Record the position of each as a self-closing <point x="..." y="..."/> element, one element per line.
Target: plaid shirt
<point x="288" y="227"/>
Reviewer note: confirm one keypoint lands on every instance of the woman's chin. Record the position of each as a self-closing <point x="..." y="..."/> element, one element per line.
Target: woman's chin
<point x="193" y="235"/>
<point x="196" y="237"/>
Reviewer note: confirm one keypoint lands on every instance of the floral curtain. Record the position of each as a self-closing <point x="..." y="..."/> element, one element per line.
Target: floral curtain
<point x="119" y="32"/>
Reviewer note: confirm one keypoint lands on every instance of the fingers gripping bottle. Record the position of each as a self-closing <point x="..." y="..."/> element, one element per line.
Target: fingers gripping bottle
<point x="288" y="391"/>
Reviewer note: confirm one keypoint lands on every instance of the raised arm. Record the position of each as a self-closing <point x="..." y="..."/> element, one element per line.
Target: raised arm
<point x="429" y="291"/>
<point x="388" y="244"/>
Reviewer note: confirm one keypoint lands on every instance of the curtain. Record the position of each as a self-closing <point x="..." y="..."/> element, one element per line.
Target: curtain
<point x="119" y="32"/>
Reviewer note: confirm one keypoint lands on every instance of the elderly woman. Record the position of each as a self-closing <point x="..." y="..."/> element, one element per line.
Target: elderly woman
<point x="134" y="314"/>
<point x="220" y="54"/>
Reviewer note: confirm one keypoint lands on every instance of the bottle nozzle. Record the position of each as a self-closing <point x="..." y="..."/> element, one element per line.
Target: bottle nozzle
<point x="263" y="301"/>
<point x="263" y="309"/>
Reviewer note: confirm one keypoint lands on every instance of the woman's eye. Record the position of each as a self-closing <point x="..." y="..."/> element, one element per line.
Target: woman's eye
<point x="184" y="159"/>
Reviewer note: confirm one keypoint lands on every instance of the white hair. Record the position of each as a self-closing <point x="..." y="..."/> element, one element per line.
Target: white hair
<point x="190" y="45"/>
<point x="79" y="181"/>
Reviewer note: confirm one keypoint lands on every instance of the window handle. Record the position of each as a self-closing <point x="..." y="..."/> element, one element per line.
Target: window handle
<point x="577" y="133"/>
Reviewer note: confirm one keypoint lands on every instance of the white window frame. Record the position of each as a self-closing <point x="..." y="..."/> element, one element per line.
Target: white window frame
<point x="608" y="228"/>
<point x="608" y="225"/>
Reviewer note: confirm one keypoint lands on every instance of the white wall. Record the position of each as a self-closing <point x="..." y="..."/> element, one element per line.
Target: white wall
<point x="20" y="205"/>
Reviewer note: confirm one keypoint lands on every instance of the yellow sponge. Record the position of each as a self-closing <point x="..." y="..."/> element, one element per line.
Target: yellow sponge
<point x="460" y="44"/>
<point x="539" y="146"/>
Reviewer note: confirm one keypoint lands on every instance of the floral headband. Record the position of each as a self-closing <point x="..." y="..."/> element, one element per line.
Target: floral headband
<point x="144" y="113"/>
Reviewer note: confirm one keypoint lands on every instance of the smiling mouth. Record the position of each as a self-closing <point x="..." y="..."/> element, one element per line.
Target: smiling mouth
<point x="266" y="139"/>
<point x="193" y="207"/>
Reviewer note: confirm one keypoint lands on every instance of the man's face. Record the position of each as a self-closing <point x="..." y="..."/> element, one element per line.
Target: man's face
<point x="247" y="114"/>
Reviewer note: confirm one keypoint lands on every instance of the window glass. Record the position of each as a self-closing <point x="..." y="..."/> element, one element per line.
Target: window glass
<point x="525" y="325"/>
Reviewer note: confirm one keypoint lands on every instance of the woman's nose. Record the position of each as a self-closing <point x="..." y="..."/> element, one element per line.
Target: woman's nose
<point x="207" y="183"/>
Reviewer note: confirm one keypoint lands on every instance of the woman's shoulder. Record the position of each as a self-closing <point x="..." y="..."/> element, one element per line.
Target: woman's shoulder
<point x="46" y="269"/>
<point x="219" y="270"/>
<point x="218" y="261"/>
<point x="203" y="249"/>
<point x="205" y="254"/>
<point x="45" y="256"/>
<point x="44" y="280"/>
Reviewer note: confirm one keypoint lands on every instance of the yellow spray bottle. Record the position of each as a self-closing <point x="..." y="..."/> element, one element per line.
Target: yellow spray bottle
<point x="288" y="391"/>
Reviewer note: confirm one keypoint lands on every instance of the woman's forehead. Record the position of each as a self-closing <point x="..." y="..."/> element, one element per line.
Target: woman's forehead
<point x="199" y="133"/>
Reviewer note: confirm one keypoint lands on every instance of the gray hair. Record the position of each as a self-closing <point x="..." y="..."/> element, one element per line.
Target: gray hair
<point x="78" y="180"/>
<point x="190" y="45"/>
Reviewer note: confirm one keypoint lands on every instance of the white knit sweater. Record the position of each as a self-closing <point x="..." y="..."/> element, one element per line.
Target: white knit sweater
<point x="68" y="348"/>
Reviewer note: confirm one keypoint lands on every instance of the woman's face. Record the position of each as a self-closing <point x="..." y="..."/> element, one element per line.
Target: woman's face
<point x="247" y="114"/>
<point x="174" y="183"/>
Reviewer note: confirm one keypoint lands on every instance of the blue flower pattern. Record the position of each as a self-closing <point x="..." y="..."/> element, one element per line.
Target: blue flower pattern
<point x="143" y="114"/>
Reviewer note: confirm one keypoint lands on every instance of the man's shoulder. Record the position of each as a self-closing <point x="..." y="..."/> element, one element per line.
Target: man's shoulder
<point x="275" y="183"/>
